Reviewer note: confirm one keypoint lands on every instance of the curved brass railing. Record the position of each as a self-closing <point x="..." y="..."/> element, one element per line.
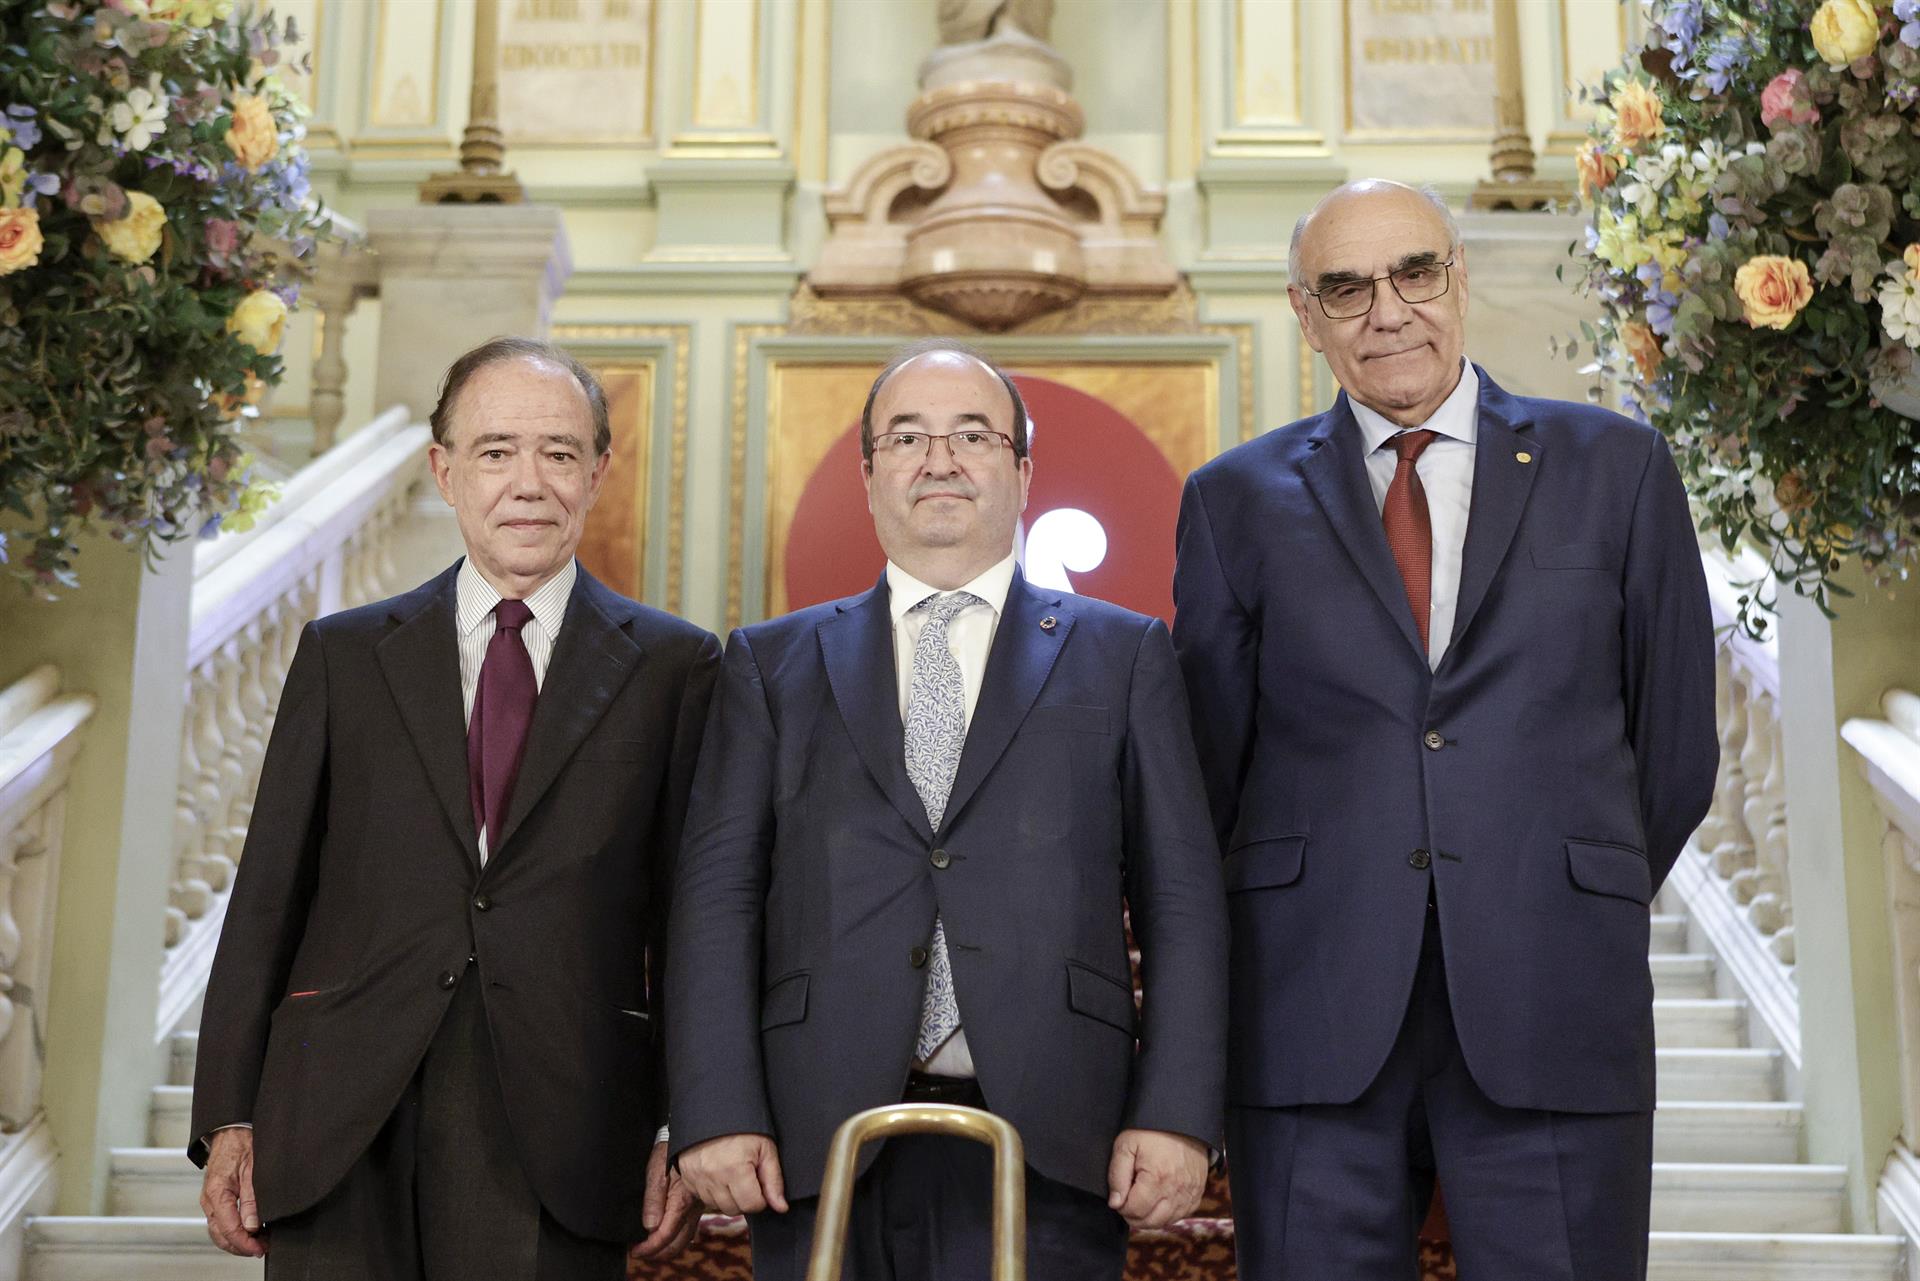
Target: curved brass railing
<point x="1009" y="1180"/>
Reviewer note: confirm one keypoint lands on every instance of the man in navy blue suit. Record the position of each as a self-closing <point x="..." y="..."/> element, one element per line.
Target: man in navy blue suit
<point x="921" y="817"/>
<point x="1450" y="660"/>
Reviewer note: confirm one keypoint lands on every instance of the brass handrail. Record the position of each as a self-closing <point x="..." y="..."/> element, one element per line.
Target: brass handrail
<point x="1009" y="1180"/>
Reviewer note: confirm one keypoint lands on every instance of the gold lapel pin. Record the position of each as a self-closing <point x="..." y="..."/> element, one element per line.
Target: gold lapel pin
<point x="1523" y="456"/>
<point x="1048" y="623"/>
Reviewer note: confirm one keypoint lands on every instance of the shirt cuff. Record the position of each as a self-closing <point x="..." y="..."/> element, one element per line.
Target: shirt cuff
<point x="661" y="1137"/>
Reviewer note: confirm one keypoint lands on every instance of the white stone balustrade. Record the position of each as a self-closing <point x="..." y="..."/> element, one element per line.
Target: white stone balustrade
<point x="344" y="272"/>
<point x="325" y="545"/>
<point x="41" y="730"/>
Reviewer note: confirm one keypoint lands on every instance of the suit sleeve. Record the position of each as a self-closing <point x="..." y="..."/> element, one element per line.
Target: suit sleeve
<point x="1669" y="668"/>
<point x="1178" y="909"/>
<point x="1218" y="645"/>
<point x="267" y="914"/>
<point x="696" y="698"/>
<point x="714" y="1066"/>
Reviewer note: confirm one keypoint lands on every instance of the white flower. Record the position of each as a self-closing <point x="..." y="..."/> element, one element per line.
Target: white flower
<point x="142" y="115"/>
<point x="1900" y="305"/>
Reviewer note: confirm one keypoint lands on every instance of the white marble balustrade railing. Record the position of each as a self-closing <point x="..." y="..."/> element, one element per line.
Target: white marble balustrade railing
<point x="325" y="545"/>
<point x="1888" y="753"/>
<point x="41" y="730"/>
<point x="1736" y="878"/>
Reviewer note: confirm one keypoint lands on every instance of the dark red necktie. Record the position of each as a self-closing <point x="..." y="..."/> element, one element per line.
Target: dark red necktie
<point x="502" y="711"/>
<point x="1410" y="528"/>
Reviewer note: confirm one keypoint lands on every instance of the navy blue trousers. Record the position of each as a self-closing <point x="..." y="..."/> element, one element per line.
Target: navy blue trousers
<point x="1339" y="1191"/>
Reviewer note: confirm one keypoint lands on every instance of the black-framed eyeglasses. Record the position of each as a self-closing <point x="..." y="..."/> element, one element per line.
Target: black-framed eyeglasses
<point x="1351" y="299"/>
<point x="912" y="446"/>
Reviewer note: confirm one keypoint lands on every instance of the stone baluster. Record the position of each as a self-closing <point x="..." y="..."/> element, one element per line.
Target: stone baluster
<point x="1734" y="850"/>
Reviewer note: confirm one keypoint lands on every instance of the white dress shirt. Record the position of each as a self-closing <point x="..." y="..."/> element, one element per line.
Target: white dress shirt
<point x="475" y="625"/>
<point x="1445" y="469"/>
<point x="970" y="637"/>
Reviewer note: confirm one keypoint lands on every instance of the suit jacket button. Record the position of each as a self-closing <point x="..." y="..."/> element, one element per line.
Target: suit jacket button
<point x="917" y="958"/>
<point x="941" y="858"/>
<point x="1434" y="741"/>
<point x="482" y="903"/>
<point x="1419" y="859"/>
<point x="448" y="979"/>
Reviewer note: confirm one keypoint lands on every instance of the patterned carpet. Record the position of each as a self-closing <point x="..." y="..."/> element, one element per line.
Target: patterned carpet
<point x="1197" y="1249"/>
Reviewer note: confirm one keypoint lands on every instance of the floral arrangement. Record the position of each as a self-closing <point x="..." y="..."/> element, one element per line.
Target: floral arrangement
<point x="1753" y="182"/>
<point x="154" y="216"/>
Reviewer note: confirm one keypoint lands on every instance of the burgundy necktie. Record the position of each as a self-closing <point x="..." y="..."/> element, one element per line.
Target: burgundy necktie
<point x="1410" y="528"/>
<point x="502" y="711"/>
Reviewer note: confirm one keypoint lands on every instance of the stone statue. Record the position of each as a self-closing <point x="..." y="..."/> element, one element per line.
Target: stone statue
<point x="995" y="40"/>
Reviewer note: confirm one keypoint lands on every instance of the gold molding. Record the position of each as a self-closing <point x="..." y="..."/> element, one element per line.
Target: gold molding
<point x="375" y="112"/>
<point x="753" y="64"/>
<point x="744" y="337"/>
<point x="1175" y="313"/>
<point x="682" y="338"/>
<point x="1309" y="402"/>
<point x="1240" y="66"/>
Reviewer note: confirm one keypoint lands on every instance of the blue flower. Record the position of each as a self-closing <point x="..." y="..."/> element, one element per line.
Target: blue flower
<point x="1718" y="226"/>
<point x="1681" y="23"/>
<point x="19" y="121"/>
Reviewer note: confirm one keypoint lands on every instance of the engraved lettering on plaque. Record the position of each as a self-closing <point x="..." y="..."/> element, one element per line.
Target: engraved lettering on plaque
<point x="576" y="71"/>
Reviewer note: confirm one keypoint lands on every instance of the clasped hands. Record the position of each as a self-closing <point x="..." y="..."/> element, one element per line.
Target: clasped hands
<point x="669" y="1212"/>
<point x="1153" y="1179"/>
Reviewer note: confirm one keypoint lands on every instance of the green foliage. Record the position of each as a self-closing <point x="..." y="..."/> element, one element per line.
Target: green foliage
<point x="1751" y="213"/>
<point x="123" y="379"/>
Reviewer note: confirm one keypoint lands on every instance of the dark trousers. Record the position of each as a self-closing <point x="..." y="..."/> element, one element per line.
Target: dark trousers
<point x="924" y="1212"/>
<point x="1340" y="1191"/>
<point x="440" y="1196"/>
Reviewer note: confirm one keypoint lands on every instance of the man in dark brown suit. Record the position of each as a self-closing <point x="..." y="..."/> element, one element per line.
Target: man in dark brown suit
<point x="431" y="1040"/>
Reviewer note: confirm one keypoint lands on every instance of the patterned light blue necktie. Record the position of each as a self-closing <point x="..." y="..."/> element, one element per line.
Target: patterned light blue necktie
<point x="936" y="730"/>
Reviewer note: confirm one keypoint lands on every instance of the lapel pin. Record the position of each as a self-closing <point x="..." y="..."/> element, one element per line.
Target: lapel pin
<point x="1048" y="623"/>
<point x="1523" y="456"/>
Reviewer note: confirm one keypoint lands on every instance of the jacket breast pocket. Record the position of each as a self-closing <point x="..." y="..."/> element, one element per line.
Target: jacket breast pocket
<point x="1099" y="997"/>
<point x="784" y="1001"/>
<point x="1265" y="864"/>
<point x="1603" y="867"/>
<point x="1598" y="554"/>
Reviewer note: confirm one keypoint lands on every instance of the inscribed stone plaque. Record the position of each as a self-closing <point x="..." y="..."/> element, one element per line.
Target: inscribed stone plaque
<point x="1420" y="68"/>
<point x="576" y="71"/>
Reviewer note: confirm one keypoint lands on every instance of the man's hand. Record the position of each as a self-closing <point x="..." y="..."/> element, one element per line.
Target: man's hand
<point x="670" y="1213"/>
<point x="736" y="1174"/>
<point x="226" y="1194"/>
<point x="1155" y="1177"/>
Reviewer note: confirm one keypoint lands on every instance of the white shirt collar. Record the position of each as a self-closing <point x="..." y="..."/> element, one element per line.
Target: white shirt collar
<point x="904" y="591"/>
<point x="475" y="597"/>
<point x="1456" y="418"/>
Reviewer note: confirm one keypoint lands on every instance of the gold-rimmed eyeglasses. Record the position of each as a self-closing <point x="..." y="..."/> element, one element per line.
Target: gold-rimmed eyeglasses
<point x="904" y="447"/>
<point x="1351" y="299"/>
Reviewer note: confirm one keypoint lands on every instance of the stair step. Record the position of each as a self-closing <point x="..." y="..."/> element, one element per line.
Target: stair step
<point x="1690" y="1197"/>
<point x="153" y="1182"/>
<point x="1668" y="934"/>
<point x="1755" y="1256"/>
<point x="1686" y="975"/>
<point x="1727" y="1132"/>
<point x="185" y="1052"/>
<point x="1718" y="1075"/>
<point x="1699" y="1024"/>
<point x="89" y="1248"/>
<point x="170" y="1116"/>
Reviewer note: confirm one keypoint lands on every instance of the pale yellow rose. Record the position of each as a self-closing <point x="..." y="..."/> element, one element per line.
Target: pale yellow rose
<point x="1772" y="290"/>
<point x="13" y="175"/>
<point x="19" y="239"/>
<point x="254" y="139"/>
<point x="1844" y="30"/>
<point x="1912" y="258"/>
<point x="137" y="235"/>
<point x="1597" y="168"/>
<point x="1636" y="115"/>
<point x="259" y="320"/>
<point x="1644" y="346"/>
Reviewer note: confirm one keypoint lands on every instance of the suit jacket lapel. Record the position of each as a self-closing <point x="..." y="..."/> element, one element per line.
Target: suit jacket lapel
<point x="1336" y="473"/>
<point x="590" y="664"/>
<point x="1017" y="666"/>
<point x="420" y="659"/>
<point x="856" y="645"/>
<point x="1501" y="483"/>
